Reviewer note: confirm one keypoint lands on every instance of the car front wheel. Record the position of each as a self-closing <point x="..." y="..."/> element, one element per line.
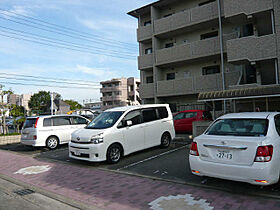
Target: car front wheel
<point x="114" y="153"/>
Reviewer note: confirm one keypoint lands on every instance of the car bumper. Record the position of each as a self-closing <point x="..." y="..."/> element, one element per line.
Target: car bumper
<point x="34" y="143"/>
<point x="249" y="174"/>
<point x="88" y="152"/>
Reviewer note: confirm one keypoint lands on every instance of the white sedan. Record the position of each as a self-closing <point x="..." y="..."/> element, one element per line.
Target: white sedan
<point x="241" y="147"/>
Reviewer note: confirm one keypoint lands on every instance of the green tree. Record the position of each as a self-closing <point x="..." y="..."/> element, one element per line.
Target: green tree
<point x="16" y="111"/>
<point x="39" y="101"/>
<point x="4" y="108"/>
<point x="73" y="104"/>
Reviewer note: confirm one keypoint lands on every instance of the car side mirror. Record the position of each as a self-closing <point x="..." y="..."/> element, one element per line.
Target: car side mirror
<point x="128" y="123"/>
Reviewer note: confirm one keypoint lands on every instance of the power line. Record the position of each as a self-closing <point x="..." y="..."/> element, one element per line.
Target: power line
<point x="63" y="47"/>
<point x="40" y="77"/>
<point x="38" y="80"/>
<point x="40" y="85"/>
<point x="66" y="28"/>
<point x="104" y="42"/>
<point x="58" y="41"/>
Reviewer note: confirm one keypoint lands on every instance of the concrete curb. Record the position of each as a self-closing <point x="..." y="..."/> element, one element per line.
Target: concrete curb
<point x="57" y="197"/>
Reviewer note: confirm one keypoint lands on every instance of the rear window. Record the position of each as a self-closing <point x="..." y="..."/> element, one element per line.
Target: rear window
<point x="29" y="123"/>
<point x="239" y="127"/>
<point x="162" y="112"/>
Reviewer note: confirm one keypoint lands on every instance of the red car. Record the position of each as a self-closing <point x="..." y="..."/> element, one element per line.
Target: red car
<point x="183" y="120"/>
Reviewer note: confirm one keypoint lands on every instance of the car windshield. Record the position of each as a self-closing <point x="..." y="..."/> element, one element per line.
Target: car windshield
<point x="104" y="120"/>
<point x="239" y="127"/>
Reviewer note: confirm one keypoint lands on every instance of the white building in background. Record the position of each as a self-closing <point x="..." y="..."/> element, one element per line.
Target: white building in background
<point x="24" y="99"/>
<point x="19" y="100"/>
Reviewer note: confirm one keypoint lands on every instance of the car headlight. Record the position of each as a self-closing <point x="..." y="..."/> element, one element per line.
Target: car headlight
<point x="97" y="139"/>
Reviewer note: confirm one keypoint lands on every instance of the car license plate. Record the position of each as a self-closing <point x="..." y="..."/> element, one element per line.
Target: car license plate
<point x="78" y="153"/>
<point x="224" y="155"/>
<point x="24" y="136"/>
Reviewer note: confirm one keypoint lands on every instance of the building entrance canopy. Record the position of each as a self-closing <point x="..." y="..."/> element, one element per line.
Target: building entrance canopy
<point x="256" y="92"/>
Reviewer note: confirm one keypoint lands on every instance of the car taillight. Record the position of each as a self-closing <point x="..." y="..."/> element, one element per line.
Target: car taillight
<point x="34" y="137"/>
<point x="35" y="126"/>
<point x="264" y="153"/>
<point x="194" y="150"/>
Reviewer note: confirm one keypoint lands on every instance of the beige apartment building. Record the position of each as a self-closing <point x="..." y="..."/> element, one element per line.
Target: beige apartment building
<point x="120" y="92"/>
<point x="221" y="53"/>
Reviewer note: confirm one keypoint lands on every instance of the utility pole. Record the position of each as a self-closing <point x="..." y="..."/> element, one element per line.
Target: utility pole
<point x="51" y="103"/>
<point x="222" y="49"/>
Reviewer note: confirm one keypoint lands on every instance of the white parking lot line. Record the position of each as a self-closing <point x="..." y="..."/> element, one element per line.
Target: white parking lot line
<point x="150" y="158"/>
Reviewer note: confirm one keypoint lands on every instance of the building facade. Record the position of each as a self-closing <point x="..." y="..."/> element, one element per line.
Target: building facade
<point x="13" y="99"/>
<point x="120" y="92"/>
<point x="221" y="53"/>
<point x="23" y="101"/>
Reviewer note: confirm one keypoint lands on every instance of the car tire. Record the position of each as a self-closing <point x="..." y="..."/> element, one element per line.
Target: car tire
<point x="165" y="140"/>
<point x="114" y="153"/>
<point x="52" y="142"/>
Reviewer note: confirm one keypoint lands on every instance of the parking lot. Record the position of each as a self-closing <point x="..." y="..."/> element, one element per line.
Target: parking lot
<point x="169" y="164"/>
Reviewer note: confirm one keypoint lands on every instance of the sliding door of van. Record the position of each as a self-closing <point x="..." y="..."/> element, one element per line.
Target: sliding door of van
<point x="62" y="128"/>
<point x="134" y="133"/>
<point x="152" y="127"/>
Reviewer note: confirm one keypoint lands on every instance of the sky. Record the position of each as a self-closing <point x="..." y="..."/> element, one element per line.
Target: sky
<point x="101" y="45"/>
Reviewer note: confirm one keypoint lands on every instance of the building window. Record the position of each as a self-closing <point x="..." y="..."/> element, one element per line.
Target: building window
<point x="148" y="51"/>
<point x="209" y="35"/>
<point x="205" y="2"/>
<point x="210" y="70"/>
<point x="149" y="79"/>
<point x="187" y="74"/>
<point x="167" y="45"/>
<point x="118" y="93"/>
<point x="170" y="76"/>
<point x="146" y="23"/>
<point x="247" y="30"/>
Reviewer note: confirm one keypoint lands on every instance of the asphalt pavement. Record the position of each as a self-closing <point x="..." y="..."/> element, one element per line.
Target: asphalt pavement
<point x="169" y="164"/>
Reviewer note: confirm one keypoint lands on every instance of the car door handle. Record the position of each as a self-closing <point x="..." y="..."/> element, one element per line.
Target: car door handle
<point x="225" y="146"/>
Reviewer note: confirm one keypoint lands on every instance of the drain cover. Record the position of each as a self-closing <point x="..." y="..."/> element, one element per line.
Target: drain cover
<point x="24" y="192"/>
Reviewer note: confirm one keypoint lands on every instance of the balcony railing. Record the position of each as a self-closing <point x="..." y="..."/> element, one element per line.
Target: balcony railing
<point x="144" y="33"/>
<point x="145" y="61"/>
<point x="184" y="52"/>
<point x="186" y="18"/>
<point x="147" y="90"/>
<point x="246" y="7"/>
<point x="195" y="85"/>
<point x="252" y="48"/>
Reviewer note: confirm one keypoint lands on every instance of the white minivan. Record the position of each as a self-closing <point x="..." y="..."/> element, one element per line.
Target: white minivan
<point x="123" y="130"/>
<point x="50" y="130"/>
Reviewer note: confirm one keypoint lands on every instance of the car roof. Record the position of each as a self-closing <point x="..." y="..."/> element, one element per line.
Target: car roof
<point x="60" y="115"/>
<point x="256" y="115"/>
<point x="125" y="108"/>
<point x="194" y="110"/>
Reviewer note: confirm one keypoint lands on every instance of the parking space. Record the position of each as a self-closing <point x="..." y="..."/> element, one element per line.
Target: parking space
<point x="169" y="164"/>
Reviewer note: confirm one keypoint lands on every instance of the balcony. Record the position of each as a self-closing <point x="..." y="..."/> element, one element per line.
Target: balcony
<point x="190" y="51"/>
<point x="145" y="62"/>
<point x="252" y="48"/>
<point x="111" y="98"/>
<point x="194" y="85"/>
<point x="144" y="33"/>
<point x="186" y="18"/>
<point x="147" y="90"/>
<point x="246" y="7"/>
